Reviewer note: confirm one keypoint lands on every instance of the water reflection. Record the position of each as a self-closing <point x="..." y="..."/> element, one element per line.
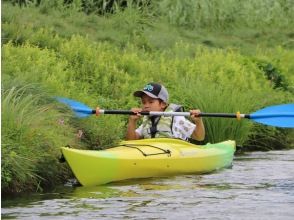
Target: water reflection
<point x="259" y="186"/>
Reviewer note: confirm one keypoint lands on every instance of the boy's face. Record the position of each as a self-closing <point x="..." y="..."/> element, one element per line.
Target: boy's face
<point x="151" y="104"/>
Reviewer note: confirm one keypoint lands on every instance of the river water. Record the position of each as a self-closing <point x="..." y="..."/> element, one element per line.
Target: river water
<point x="260" y="185"/>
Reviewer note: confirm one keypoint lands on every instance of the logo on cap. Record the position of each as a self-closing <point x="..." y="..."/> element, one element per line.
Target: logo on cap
<point x="148" y="88"/>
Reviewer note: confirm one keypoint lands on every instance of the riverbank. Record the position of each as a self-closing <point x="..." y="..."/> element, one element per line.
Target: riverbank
<point x="101" y="60"/>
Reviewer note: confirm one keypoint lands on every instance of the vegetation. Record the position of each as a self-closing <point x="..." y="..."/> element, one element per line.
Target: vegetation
<point x="213" y="55"/>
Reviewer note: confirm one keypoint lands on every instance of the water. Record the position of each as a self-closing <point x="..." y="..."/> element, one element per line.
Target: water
<point x="259" y="186"/>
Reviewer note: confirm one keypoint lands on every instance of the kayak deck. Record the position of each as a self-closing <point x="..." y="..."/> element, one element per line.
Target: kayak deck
<point x="147" y="158"/>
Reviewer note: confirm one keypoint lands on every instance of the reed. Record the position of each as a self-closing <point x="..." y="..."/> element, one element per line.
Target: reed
<point x="30" y="139"/>
<point x="217" y="14"/>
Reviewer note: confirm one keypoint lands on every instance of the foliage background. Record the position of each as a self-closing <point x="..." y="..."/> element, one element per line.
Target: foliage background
<point x="219" y="56"/>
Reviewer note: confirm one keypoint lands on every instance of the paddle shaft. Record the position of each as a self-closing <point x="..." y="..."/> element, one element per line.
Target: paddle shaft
<point x="277" y="115"/>
<point x="202" y="114"/>
<point x="167" y="114"/>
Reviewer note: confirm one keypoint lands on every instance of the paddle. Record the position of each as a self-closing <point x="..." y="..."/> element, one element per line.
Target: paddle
<point x="278" y="115"/>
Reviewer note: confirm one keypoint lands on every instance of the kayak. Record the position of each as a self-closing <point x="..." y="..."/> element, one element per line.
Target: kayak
<point x="156" y="157"/>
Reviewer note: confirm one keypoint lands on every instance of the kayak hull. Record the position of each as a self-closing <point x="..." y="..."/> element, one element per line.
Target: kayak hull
<point x="147" y="158"/>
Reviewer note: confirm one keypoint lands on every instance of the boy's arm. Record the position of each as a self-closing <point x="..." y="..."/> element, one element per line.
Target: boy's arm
<point x="199" y="132"/>
<point x="131" y="129"/>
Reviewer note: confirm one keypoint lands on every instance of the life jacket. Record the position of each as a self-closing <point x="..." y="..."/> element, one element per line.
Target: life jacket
<point x="160" y="126"/>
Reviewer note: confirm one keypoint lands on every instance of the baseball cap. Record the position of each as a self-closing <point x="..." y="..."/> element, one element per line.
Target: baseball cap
<point x="153" y="90"/>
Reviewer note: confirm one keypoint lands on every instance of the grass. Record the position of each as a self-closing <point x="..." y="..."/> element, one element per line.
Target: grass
<point x="101" y="60"/>
<point x="144" y="30"/>
<point x="29" y="139"/>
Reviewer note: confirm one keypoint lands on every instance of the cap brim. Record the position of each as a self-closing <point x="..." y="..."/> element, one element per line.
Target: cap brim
<point x="141" y="93"/>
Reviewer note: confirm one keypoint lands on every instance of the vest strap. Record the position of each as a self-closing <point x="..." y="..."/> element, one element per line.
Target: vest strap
<point x="153" y="125"/>
<point x="154" y="122"/>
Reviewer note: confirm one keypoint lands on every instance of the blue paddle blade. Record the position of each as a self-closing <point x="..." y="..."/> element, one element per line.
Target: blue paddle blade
<point x="80" y="109"/>
<point x="277" y="115"/>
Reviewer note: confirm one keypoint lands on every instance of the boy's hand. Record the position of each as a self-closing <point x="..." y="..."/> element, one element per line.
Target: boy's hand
<point x="137" y="115"/>
<point x="199" y="132"/>
<point x="195" y="115"/>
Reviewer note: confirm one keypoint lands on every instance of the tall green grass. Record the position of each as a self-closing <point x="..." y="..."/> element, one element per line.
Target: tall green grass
<point x="31" y="137"/>
<point x="217" y="14"/>
<point x="150" y="31"/>
<point x="213" y="14"/>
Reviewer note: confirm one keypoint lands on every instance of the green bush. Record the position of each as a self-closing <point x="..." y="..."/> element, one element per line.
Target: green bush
<point x="105" y="73"/>
<point x="278" y="62"/>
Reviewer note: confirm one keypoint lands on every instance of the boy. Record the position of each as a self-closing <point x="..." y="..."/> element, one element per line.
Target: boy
<point x="154" y="97"/>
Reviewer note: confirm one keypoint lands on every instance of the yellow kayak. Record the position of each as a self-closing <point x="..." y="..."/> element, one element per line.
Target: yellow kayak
<point x="147" y="158"/>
